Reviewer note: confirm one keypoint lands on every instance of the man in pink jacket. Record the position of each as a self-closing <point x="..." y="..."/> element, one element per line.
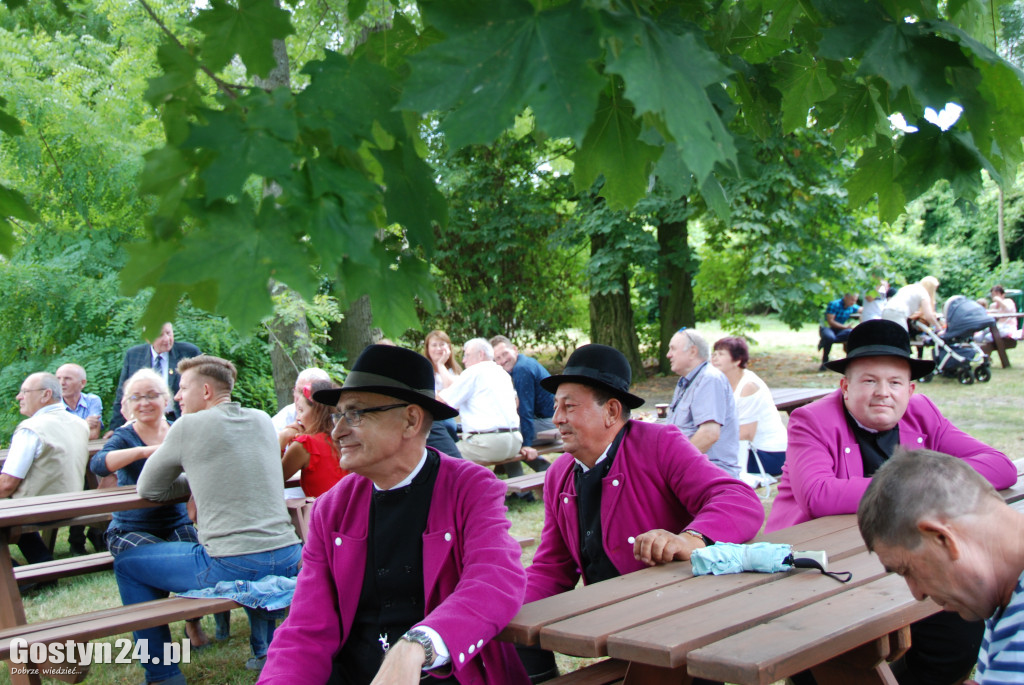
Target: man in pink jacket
<point x="409" y="567"/>
<point x="837" y="443"/>
<point x="626" y="494"/>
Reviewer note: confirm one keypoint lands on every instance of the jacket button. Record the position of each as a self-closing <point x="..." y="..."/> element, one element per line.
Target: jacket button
<point x="847" y="450"/>
<point x="479" y="643"/>
<point x="472" y="648"/>
<point x="462" y="658"/>
<point x="337" y="542"/>
<point x="447" y="537"/>
<point x="631" y="539"/>
<point x="565" y="500"/>
<point x="615" y="482"/>
<point x="920" y="440"/>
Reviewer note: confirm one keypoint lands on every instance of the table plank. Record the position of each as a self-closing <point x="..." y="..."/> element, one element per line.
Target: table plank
<point x="525" y="627"/>
<point x="777" y="649"/>
<point x="577" y="635"/>
<point x="667" y="641"/>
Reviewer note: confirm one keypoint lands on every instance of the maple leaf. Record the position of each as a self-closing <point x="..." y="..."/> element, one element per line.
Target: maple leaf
<point x="666" y="75"/>
<point x="247" y="30"/>
<point x="345" y="97"/>
<point x="500" y="57"/>
<point x="611" y="148"/>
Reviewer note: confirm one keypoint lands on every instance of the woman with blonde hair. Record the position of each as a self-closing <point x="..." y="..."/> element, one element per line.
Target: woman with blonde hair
<point x="437" y="347"/>
<point x="145" y="401"/>
<point x="914" y="301"/>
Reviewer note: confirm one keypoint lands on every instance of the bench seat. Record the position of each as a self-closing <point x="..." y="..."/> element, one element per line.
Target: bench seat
<point x="525" y="483"/>
<point x="64" y="568"/>
<point x="112" y="621"/>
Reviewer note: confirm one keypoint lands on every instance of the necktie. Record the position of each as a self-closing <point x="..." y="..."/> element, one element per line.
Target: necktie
<point x="158" y="364"/>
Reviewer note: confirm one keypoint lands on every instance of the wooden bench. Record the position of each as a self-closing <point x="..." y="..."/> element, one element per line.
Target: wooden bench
<point x="527" y="482"/>
<point x="53" y="510"/>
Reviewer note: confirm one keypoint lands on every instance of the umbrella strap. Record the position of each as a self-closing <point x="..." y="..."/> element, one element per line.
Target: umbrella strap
<point x="802" y="562"/>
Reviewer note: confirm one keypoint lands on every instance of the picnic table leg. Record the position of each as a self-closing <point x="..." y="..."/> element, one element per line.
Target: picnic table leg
<point x="12" y="611"/>
<point x="642" y="674"/>
<point x="861" y="666"/>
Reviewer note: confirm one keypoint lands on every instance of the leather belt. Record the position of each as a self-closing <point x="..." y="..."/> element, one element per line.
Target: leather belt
<point x="494" y="430"/>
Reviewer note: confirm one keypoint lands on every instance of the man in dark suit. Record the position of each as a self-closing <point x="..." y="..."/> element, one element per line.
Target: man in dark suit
<point x="162" y="355"/>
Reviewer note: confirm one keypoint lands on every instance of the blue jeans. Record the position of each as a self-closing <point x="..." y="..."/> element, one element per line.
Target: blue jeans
<point x="829" y="337"/>
<point x="149" y="572"/>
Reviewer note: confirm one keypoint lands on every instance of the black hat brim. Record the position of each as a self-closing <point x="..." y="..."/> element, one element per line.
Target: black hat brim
<point x="439" y="410"/>
<point x="918" y="367"/>
<point x="551" y="384"/>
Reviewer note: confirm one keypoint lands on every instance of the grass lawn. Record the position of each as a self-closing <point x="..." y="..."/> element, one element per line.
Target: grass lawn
<point x="990" y="411"/>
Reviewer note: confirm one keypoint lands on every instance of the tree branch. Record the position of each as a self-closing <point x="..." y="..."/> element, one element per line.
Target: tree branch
<point x="222" y="85"/>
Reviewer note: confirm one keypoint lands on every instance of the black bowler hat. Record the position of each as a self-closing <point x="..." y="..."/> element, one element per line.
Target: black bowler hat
<point x="881" y="338"/>
<point x="598" y="366"/>
<point x="395" y="372"/>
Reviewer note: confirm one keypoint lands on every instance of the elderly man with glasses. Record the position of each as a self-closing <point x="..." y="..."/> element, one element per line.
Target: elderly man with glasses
<point x="408" y="571"/>
<point x="48" y="455"/>
<point x="703" y="405"/>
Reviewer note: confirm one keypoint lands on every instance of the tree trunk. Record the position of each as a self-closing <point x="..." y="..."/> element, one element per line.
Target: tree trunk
<point x="675" y="303"/>
<point x="611" y="318"/>
<point x="1004" y="255"/>
<point x="291" y="347"/>
<point x="354" y="332"/>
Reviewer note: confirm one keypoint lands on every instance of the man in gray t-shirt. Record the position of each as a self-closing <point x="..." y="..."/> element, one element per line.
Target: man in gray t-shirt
<point x="229" y="458"/>
<point x="702" y="405"/>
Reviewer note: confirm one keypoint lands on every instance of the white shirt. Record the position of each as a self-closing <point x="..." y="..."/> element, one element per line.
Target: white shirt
<point x="154" y="355"/>
<point x="25" y="447"/>
<point x="284" y="418"/>
<point x="485" y="398"/>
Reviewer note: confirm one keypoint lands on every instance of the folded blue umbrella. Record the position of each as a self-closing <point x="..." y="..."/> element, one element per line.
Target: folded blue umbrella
<point x="726" y="557"/>
<point x="760" y="557"/>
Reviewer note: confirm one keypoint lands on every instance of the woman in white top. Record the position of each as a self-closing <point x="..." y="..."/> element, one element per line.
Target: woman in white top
<point x="762" y="434"/>
<point x="914" y="301"/>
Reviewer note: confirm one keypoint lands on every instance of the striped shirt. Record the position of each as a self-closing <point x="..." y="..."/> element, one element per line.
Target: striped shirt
<point x="1001" y="660"/>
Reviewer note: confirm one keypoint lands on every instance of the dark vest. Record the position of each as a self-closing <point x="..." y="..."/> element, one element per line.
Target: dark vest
<point x="596" y="566"/>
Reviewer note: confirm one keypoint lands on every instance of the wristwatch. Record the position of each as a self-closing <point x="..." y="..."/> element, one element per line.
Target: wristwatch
<point x="421" y="638"/>
<point x="701" y="536"/>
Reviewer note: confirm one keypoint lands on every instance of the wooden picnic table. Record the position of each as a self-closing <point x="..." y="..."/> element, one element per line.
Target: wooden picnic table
<point x="749" y="628"/>
<point x="788" y="399"/>
<point x="94" y="447"/>
<point x="17" y="515"/>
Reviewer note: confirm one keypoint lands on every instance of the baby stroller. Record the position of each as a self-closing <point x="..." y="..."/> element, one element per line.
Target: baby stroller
<point x="955" y="349"/>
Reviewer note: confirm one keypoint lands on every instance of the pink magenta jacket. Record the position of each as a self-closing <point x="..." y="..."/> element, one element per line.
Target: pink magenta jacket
<point x="824" y="473"/>
<point x="472" y="576"/>
<point x="657" y="480"/>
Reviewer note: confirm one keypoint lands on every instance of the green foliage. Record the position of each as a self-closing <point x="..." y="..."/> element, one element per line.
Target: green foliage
<point x="639" y="88"/>
<point x="500" y="265"/>
<point x="794" y="239"/>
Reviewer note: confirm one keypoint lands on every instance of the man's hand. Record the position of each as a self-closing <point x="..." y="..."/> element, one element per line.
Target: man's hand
<point x="528" y="453"/>
<point x="193" y="510"/>
<point x="94" y="426"/>
<point x="403" y="664"/>
<point x="659" y="546"/>
<point x="108" y="435"/>
<point x="8" y="484"/>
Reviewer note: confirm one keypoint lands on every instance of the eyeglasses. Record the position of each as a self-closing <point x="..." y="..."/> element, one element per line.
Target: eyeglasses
<point x="152" y="397"/>
<point x="24" y="391"/>
<point x="354" y="417"/>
